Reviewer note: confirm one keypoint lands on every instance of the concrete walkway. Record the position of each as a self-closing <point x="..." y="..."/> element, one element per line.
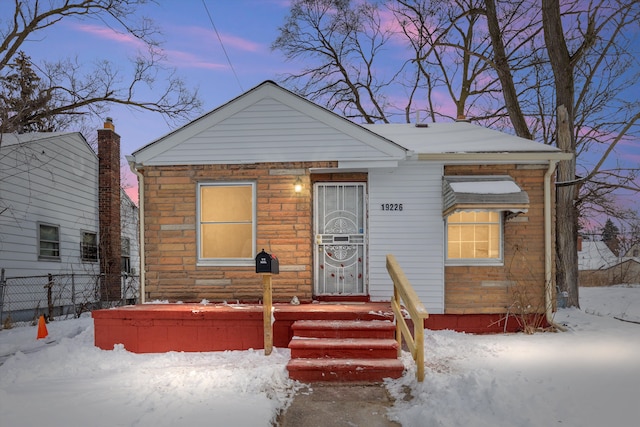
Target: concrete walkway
<point x="339" y="405"/>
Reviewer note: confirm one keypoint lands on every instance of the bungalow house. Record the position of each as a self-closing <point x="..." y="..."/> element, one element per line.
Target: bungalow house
<point x="467" y="211"/>
<point x="62" y="225"/>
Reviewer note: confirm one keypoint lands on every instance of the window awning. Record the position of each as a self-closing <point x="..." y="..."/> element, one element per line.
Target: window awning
<point x="494" y="192"/>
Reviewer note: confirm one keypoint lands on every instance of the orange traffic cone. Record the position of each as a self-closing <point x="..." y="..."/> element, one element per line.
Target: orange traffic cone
<point x="42" y="328"/>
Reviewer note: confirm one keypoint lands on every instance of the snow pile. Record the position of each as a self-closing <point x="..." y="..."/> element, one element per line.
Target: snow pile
<point x="71" y="382"/>
<point x="589" y="376"/>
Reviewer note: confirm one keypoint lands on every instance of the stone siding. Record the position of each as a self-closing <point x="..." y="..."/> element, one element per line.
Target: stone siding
<point x="519" y="284"/>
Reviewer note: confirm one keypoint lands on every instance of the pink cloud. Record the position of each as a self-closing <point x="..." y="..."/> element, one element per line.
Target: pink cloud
<point x="230" y="41"/>
<point x="109" y="34"/>
<point x="183" y="59"/>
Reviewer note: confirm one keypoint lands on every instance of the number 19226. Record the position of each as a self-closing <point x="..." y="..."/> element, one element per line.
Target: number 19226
<point x="391" y="206"/>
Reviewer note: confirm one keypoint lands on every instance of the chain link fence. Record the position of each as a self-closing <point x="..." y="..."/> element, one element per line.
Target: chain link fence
<point x="25" y="299"/>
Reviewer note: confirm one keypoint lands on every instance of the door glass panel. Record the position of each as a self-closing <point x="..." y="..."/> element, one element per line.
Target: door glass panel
<point x="340" y="223"/>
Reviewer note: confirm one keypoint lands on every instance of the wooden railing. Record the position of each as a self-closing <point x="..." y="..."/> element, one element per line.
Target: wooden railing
<point x="403" y="293"/>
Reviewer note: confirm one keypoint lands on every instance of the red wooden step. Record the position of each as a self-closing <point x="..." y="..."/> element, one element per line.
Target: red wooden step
<point x="344" y="348"/>
<point x="344" y="370"/>
<point x="344" y="329"/>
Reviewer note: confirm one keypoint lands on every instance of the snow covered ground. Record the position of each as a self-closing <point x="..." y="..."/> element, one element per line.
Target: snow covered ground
<point x="588" y="376"/>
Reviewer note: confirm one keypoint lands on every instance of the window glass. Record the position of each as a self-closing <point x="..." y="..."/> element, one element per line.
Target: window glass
<point x="48" y="241"/>
<point x="474" y="236"/>
<point x="227" y="221"/>
<point x="89" y="246"/>
<point x="125" y="244"/>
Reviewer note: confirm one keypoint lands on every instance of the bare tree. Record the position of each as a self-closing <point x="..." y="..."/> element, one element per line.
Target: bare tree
<point x="73" y="90"/>
<point x="564" y="75"/>
<point x="340" y="43"/>
<point x="450" y="54"/>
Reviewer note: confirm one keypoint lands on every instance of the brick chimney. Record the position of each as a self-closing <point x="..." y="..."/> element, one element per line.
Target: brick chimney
<point x="110" y="249"/>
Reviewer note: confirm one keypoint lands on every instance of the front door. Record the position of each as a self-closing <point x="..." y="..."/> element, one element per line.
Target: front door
<point x="340" y="245"/>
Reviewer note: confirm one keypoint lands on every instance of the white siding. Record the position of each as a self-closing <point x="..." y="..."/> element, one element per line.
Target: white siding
<point x="265" y="131"/>
<point x="267" y="124"/>
<point x="52" y="181"/>
<point x="130" y="228"/>
<point x="129" y="223"/>
<point x="414" y="235"/>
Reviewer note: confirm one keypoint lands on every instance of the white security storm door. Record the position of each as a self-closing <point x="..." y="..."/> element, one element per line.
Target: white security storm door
<point x="340" y="219"/>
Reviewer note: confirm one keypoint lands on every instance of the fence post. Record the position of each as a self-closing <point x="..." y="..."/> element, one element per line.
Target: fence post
<point x="49" y="287"/>
<point x="73" y="295"/>
<point x="2" y="287"/>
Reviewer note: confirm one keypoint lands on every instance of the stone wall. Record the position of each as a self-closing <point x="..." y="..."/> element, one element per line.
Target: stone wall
<point x="519" y="283"/>
<point x="284" y="229"/>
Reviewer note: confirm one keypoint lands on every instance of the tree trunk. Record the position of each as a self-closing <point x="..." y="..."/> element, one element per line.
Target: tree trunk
<point x="566" y="195"/>
<point x="503" y="69"/>
<point x="566" y="217"/>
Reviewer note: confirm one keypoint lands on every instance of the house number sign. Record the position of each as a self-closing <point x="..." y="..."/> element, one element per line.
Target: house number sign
<point x="391" y="206"/>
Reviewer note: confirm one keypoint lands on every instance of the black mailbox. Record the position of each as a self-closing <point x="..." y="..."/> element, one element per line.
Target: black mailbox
<point x="267" y="263"/>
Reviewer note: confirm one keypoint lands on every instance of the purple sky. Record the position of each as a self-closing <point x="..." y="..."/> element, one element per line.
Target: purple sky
<point x="247" y="29"/>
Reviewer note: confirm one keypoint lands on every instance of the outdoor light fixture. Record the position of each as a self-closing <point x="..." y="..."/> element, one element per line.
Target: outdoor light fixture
<point x="297" y="186"/>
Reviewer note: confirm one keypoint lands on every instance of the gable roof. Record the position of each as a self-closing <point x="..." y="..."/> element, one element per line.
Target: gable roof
<point x="14" y="139"/>
<point x="595" y="256"/>
<point x="267" y="123"/>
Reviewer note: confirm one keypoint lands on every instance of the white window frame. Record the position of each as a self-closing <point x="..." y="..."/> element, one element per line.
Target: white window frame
<point x="48" y="257"/>
<point x="243" y="262"/>
<point x="499" y="261"/>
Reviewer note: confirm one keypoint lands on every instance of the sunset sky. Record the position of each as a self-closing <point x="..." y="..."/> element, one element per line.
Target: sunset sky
<point x="247" y="29"/>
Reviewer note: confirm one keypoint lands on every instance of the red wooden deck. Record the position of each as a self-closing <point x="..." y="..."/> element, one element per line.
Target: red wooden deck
<point x="157" y="328"/>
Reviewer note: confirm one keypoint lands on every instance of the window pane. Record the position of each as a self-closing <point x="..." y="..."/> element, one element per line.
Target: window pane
<point x="466" y="250"/>
<point x="89" y="247"/>
<point x="226" y="203"/>
<point x="474" y="235"/>
<point x="227" y="221"/>
<point x="227" y="240"/>
<point x="48" y="232"/>
<point x="49" y="249"/>
<point x="463" y="217"/>
<point x="494" y="242"/>
<point x="482" y="233"/>
<point x="49" y="244"/>
<point x="453" y="250"/>
<point x="126" y="246"/>
<point x="483" y="216"/>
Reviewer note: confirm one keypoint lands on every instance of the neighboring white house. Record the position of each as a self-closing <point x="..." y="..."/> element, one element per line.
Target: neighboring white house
<point x="598" y="266"/>
<point x="595" y="256"/>
<point x="49" y="218"/>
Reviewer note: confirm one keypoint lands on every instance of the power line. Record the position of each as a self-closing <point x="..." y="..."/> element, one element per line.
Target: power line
<point x="222" y="44"/>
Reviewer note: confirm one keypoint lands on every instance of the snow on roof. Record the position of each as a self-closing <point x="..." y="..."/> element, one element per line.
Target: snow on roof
<point x="499" y="192"/>
<point x="455" y="137"/>
<point x="486" y="187"/>
<point x="595" y="256"/>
